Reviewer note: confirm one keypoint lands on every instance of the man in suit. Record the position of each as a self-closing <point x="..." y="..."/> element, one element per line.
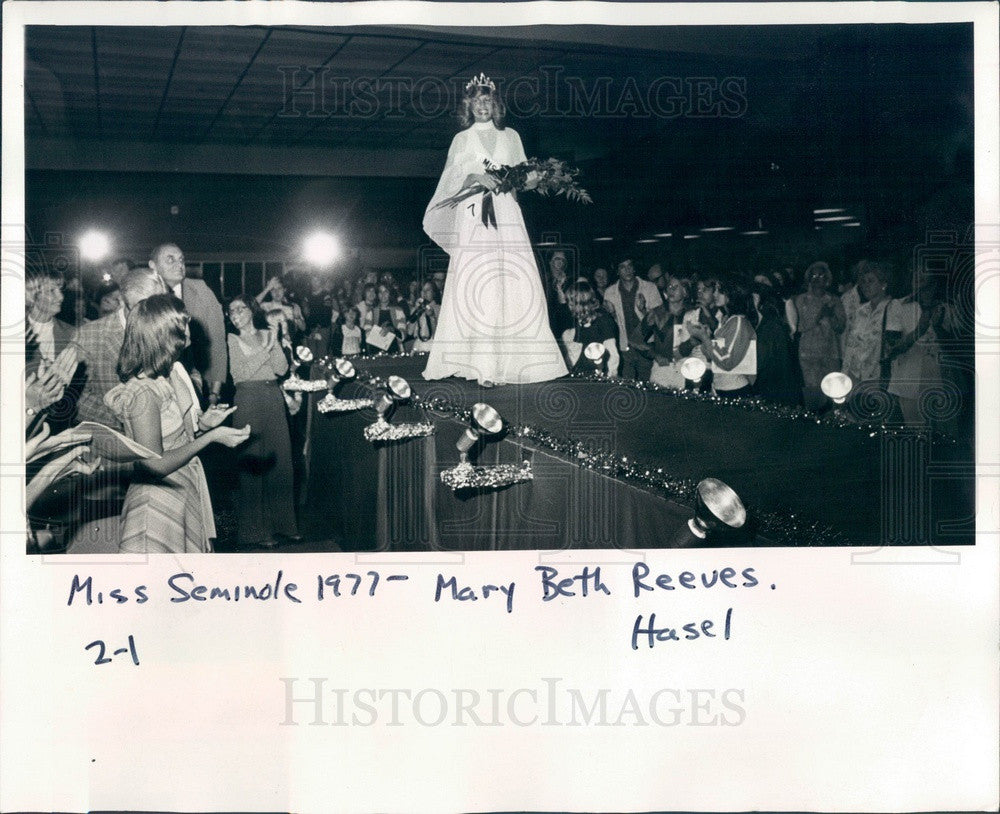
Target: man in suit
<point x="209" y="355"/>
<point x="628" y="299"/>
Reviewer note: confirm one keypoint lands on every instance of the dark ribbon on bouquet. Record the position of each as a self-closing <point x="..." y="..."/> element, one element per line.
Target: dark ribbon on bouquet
<point x="489" y="213"/>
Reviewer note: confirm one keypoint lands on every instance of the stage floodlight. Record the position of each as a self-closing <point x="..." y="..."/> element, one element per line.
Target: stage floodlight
<point x="693" y="369"/>
<point x="717" y="508"/>
<point x="94" y="246"/>
<point x="321" y="249"/>
<point x="484" y="421"/>
<point x="836" y="386"/>
<point x="596" y="352"/>
<point x="396" y="391"/>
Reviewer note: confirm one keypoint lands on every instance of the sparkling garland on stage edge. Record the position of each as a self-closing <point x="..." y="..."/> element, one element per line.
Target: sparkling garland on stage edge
<point x="331" y="404"/>
<point x="784" y="529"/>
<point x="383" y="432"/>
<point x="755" y="404"/>
<point x="467" y="476"/>
<point x="758" y="404"/>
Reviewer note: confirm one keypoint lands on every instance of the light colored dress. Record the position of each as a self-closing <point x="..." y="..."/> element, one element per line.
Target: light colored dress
<point x="917" y="371"/>
<point x="863" y="346"/>
<point x="819" y="342"/>
<point x="494" y="324"/>
<point x="172" y="513"/>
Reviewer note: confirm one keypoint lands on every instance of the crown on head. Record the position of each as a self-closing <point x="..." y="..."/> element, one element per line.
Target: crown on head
<point x="481" y="81"/>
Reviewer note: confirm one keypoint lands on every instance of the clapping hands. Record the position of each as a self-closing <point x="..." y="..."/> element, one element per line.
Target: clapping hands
<point x="43" y="442"/>
<point x="74" y="461"/>
<point x="698" y="331"/>
<point x="46" y="385"/>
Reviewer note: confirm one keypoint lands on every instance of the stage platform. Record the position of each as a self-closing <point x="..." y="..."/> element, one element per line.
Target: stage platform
<point x="614" y="467"/>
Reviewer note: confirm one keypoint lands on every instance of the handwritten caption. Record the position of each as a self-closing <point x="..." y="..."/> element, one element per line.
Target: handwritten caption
<point x="587" y="583"/>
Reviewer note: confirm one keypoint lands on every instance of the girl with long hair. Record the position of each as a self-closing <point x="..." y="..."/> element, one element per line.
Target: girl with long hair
<point x="266" y="513"/>
<point x="167" y="507"/>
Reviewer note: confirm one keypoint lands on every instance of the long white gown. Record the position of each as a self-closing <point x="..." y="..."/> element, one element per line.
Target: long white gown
<point x="494" y="324"/>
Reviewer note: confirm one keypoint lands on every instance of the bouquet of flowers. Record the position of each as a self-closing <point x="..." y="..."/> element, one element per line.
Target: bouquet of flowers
<point x="549" y="177"/>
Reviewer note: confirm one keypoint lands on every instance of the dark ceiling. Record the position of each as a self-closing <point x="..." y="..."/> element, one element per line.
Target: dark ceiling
<point x="675" y="127"/>
<point x="381" y="88"/>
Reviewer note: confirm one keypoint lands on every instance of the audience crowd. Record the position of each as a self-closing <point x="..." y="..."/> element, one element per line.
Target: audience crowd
<point x="162" y="361"/>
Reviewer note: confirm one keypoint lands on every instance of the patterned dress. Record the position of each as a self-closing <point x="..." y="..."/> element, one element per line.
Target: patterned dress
<point x="172" y="513"/>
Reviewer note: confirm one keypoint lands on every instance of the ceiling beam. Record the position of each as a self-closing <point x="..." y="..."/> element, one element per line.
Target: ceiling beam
<point x="134" y="156"/>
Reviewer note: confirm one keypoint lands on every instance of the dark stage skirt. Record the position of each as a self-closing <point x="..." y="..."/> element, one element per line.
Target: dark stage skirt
<point x="266" y="503"/>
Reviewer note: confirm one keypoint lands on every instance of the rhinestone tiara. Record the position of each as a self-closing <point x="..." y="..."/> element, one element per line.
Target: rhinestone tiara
<point x="481" y="81"/>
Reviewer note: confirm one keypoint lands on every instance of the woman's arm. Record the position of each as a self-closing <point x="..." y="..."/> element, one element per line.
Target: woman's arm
<point x="573" y="349"/>
<point x="400" y="320"/>
<point x="144" y="425"/>
<point x="298" y="320"/>
<point x="266" y="292"/>
<point x="275" y="355"/>
<point x="613" y="358"/>
<point x="70" y="462"/>
<point x="839" y="316"/>
<point x="736" y="342"/>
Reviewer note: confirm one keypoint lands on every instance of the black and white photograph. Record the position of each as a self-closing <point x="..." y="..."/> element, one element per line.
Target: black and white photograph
<point x="453" y="329"/>
<point x="488" y="289"/>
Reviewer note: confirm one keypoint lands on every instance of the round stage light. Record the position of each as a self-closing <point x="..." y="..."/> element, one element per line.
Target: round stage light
<point x="94" y="246"/>
<point x="836" y="386"/>
<point x="321" y="249"/>
<point x="717" y="507"/>
<point x="344" y="369"/>
<point x="693" y="368"/>
<point x="485" y="420"/>
<point x="595" y="352"/>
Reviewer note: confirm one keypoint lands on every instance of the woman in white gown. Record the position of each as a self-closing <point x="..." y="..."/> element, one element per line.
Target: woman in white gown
<point x="494" y="325"/>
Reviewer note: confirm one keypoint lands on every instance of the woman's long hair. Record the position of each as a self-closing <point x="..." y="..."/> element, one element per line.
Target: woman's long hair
<point x="580" y="295"/>
<point x="465" y="116"/>
<point x="155" y="334"/>
<point x="739" y="302"/>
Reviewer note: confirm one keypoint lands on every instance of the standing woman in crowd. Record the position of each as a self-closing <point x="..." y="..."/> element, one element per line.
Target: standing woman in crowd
<point x="706" y="314"/>
<point x="779" y="378"/>
<point x="367" y="306"/>
<point x="821" y="320"/>
<point x="863" y="347"/>
<point x="412" y="297"/>
<point x="592" y="323"/>
<point x="266" y="503"/>
<point x="424" y="317"/>
<point x="275" y="302"/>
<point x="346" y="336"/>
<point x="167" y="507"/>
<point x="662" y="331"/>
<point x="389" y="316"/>
<point x="600" y="281"/>
<point x="732" y="348"/>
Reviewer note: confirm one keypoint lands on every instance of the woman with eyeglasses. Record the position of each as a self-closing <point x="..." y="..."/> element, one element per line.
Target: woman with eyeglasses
<point x="266" y="508"/>
<point x="167" y="507"/>
<point x="821" y="320"/>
